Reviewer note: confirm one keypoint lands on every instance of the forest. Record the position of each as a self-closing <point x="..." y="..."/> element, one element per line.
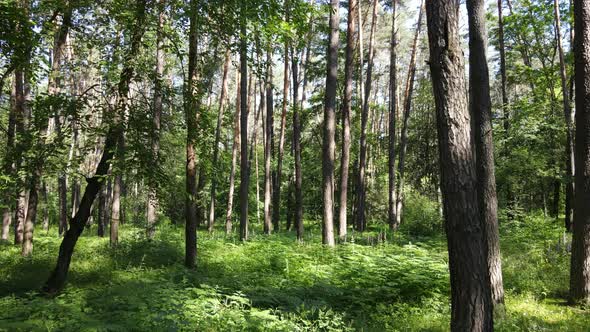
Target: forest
<point x="295" y="165"/>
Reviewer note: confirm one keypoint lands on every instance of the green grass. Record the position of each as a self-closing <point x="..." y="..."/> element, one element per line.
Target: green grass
<point x="275" y="284"/>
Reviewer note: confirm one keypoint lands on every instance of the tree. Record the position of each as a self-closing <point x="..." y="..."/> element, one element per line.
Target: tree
<point x="244" y="169"/>
<point x="391" y="211"/>
<point x="297" y="151"/>
<point x="346" y="110"/>
<point x="471" y="304"/>
<point x="234" y="156"/>
<point x="330" y="127"/>
<point x="481" y="112"/>
<point x="268" y="145"/>
<point x="58" y="276"/>
<point x="580" y="260"/>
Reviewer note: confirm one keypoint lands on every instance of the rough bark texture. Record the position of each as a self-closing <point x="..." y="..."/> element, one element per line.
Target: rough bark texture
<point x="222" y="97"/>
<point x="391" y="210"/>
<point x="346" y="110"/>
<point x="191" y="108"/>
<point x="268" y="146"/>
<point x="329" y="144"/>
<point x="8" y="168"/>
<point x="57" y="278"/>
<point x="152" y="205"/>
<point x="361" y="189"/>
<point x="580" y="263"/>
<point x="471" y="304"/>
<point x="116" y="211"/>
<point x="244" y="169"/>
<point x="481" y="112"/>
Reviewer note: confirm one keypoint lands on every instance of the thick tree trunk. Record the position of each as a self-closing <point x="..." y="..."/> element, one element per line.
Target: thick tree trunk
<point x="361" y="222"/>
<point x="222" y="97"/>
<point x="297" y="151"/>
<point x="152" y="203"/>
<point x="481" y="112"/>
<point x="234" y="157"/>
<point x="57" y="278"/>
<point x="116" y="210"/>
<point x="471" y="303"/>
<point x="329" y="147"/>
<point x="580" y="263"/>
<point x="392" y="121"/>
<point x="244" y="169"/>
<point x="191" y="104"/>
<point x="567" y="111"/>
<point x="346" y="110"/>
<point x="403" y="144"/>
<point x="268" y="146"/>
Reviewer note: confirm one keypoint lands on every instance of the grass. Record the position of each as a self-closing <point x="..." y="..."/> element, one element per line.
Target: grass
<point x="276" y="284"/>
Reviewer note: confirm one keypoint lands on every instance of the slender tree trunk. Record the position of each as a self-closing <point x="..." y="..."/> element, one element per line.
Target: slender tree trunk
<point x="407" y="112"/>
<point x="580" y="262"/>
<point x="244" y="169"/>
<point x="361" y="222"/>
<point x="45" y="207"/>
<point x="57" y="278"/>
<point x="392" y="120"/>
<point x="569" y="149"/>
<point x="116" y="211"/>
<point x="471" y="303"/>
<point x="268" y="146"/>
<point x="222" y="97"/>
<point x="346" y="110"/>
<point x="8" y="166"/>
<point x="191" y="105"/>
<point x="481" y="111"/>
<point x="297" y="150"/>
<point x="330" y="127"/>
<point x="234" y="157"/>
<point x="152" y="206"/>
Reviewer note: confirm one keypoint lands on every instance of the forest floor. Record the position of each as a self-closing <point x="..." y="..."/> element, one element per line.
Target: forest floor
<point x="276" y="284"/>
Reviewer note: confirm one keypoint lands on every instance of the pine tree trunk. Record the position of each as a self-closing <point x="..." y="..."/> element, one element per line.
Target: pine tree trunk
<point x="481" y="112"/>
<point x="346" y="110"/>
<point x="8" y="167"/>
<point x="391" y="211"/>
<point x="361" y="222"/>
<point x="297" y="151"/>
<point x="329" y="147"/>
<point x="580" y="260"/>
<point x="268" y="145"/>
<point x="407" y="112"/>
<point x="234" y="157"/>
<point x="222" y="97"/>
<point x="471" y="303"/>
<point x="244" y="169"/>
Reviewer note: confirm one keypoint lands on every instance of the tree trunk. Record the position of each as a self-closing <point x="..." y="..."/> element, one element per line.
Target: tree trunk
<point x="57" y="278"/>
<point x="116" y="210"/>
<point x="580" y="263"/>
<point x="346" y="110"/>
<point x="569" y="148"/>
<point x="152" y="206"/>
<point x="471" y="304"/>
<point x="392" y="121"/>
<point x="8" y="167"/>
<point x="234" y="157"/>
<point x="297" y="150"/>
<point x="407" y="112"/>
<point x="328" y="148"/>
<point x="361" y="222"/>
<point x="222" y="97"/>
<point x="268" y="146"/>
<point x="481" y="111"/>
<point x="191" y="104"/>
<point x="244" y="169"/>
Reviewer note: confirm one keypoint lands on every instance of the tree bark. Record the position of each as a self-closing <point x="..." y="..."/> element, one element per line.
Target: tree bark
<point x="346" y="110"/>
<point x="481" y="112"/>
<point x="580" y="260"/>
<point x="407" y="112"/>
<point x="297" y="151"/>
<point x="8" y="166"/>
<point x="268" y="146"/>
<point x="222" y="97"/>
<point x="234" y="157"/>
<point x="191" y="105"/>
<point x="152" y="206"/>
<point x="471" y="304"/>
<point x="244" y="169"/>
<point x="328" y="148"/>
<point x="392" y="207"/>
<point x="361" y="222"/>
